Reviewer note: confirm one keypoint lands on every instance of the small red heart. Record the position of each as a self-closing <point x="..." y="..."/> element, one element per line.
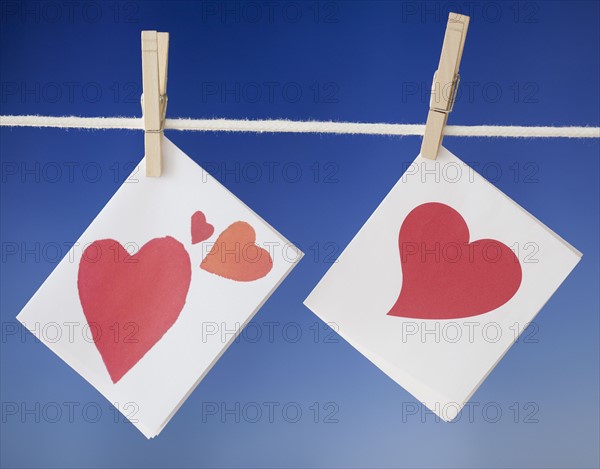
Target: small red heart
<point x="236" y="256"/>
<point x="130" y="302"/>
<point x="201" y="230"/>
<point x="446" y="277"/>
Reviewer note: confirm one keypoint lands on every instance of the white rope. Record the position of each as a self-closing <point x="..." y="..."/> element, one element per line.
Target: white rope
<point x="288" y="126"/>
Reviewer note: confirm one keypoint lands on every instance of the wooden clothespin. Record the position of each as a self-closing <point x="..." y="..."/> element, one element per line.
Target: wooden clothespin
<point x="155" y="52"/>
<point x="445" y="84"/>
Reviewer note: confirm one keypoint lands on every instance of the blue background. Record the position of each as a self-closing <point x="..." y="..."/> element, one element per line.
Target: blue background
<point x="526" y="63"/>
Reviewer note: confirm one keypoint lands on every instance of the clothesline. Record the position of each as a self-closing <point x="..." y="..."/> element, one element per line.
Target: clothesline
<point x="289" y="126"/>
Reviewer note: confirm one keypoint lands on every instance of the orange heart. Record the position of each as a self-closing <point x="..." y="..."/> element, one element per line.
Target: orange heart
<point x="236" y="256"/>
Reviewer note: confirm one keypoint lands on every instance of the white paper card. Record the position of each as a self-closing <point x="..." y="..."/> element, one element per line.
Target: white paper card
<point x="440" y="280"/>
<point x="155" y="289"/>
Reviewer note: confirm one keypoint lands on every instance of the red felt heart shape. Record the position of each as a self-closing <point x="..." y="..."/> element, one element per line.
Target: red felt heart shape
<point x="444" y="276"/>
<point x="236" y="256"/>
<point x="201" y="230"/>
<point x="130" y="302"/>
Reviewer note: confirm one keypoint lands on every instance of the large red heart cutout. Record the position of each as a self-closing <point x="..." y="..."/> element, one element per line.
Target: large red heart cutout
<point x="236" y="256"/>
<point x="131" y="301"/>
<point x="444" y="276"/>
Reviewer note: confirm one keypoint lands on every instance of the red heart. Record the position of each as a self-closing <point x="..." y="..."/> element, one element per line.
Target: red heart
<point x="130" y="302"/>
<point x="446" y="277"/>
<point x="201" y="230"/>
<point x="236" y="256"/>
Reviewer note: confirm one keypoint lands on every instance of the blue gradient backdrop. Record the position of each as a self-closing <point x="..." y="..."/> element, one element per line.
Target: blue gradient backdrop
<point x="525" y="63"/>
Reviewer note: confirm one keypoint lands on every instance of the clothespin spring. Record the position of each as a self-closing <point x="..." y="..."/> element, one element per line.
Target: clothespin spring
<point x="163" y="99"/>
<point x="452" y="98"/>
